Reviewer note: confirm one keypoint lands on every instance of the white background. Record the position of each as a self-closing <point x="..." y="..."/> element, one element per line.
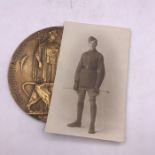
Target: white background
<point x="20" y="134"/>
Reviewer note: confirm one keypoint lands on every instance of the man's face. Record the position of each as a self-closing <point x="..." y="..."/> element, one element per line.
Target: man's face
<point x="93" y="44"/>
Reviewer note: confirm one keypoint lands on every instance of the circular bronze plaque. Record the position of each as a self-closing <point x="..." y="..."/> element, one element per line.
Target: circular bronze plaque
<point x="32" y="71"/>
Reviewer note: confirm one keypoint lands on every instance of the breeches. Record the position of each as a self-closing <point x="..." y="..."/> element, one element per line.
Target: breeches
<point x="91" y="94"/>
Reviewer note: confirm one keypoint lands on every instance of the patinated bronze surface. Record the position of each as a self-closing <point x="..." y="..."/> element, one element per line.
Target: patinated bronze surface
<point x="32" y="71"/>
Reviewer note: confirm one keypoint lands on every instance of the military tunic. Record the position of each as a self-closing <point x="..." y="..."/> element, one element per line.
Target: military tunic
<point x="90" y="71"/>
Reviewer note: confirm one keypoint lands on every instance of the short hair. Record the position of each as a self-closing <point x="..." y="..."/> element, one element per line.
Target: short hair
<point x="91" y="38"/>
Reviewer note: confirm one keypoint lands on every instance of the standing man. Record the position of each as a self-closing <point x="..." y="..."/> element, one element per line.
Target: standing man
<point x="89" y="76"/>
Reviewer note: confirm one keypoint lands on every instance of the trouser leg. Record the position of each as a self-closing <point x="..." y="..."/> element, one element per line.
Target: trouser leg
<point x="80" y="106"/>
<point x="93" y="110"/>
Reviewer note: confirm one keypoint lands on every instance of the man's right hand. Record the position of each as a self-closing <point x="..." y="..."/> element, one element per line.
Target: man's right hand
<point x="76" y="86"/>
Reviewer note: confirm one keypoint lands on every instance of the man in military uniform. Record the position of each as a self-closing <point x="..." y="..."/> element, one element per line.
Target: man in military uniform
<point x="89" y="76"/>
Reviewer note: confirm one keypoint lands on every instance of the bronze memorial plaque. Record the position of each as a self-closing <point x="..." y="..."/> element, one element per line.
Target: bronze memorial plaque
<point x="32" y="71"/>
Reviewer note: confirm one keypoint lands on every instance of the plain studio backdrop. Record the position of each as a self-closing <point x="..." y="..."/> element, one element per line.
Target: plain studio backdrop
<point x="20" y="134"/>
<point x="113" y="43"/>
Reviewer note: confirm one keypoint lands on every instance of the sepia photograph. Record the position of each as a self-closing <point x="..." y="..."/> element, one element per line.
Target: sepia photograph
<point x="77" y="77"/>
<point x="90" y="89"/>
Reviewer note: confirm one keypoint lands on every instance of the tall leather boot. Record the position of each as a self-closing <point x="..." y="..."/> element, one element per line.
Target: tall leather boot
<point x="93" y="109"/>
<point x="77" y="123"/>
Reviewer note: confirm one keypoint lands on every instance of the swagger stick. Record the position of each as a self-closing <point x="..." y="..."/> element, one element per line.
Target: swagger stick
<point x="103" y="91"/>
